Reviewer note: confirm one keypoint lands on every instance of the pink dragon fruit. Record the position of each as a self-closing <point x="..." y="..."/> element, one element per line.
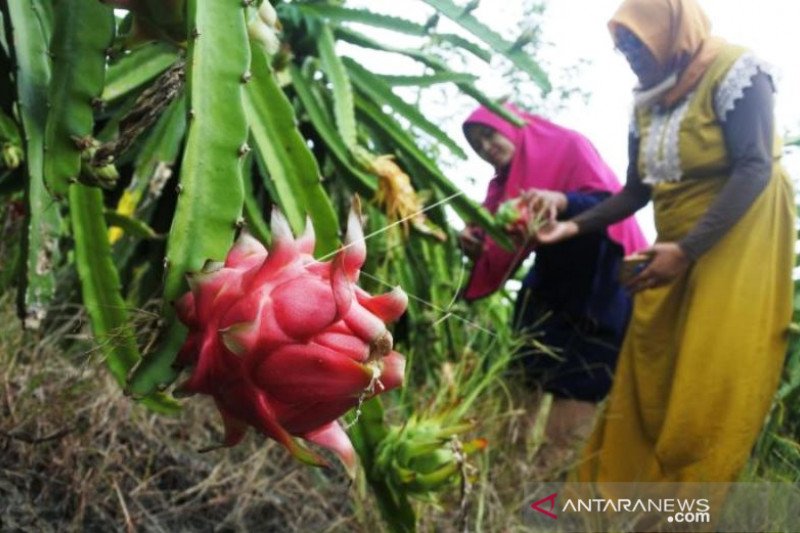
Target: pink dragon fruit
<point x="287" y="344"/>
<point x="515" y="216"/>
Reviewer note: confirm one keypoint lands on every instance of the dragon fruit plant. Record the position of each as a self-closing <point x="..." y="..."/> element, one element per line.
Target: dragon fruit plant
<point x="424" y="457"/>
<point x="287" y="344"/>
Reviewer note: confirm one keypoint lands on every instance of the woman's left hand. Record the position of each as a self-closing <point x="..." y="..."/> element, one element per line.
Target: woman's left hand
<point x="668" y="262"/>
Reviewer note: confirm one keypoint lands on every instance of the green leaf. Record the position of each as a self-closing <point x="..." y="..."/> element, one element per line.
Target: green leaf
<point x="155" y="370"/>
<point x="26" y="25"/>
<point x="362" y="40"/>
<point x="100" y="287"/>
<point x="436" y="64"/>
<point x="137" y="67"/>
<point x="364" y="16"/>
<point x="253" y="216"/>
<point x="211" y="191"/>
<point x="428" y="79"/>
<point x="361" y="182"/>
<point x="84" y="29"/>
<point x="342" y="91"/>
<point x="379" y="91"/>
<point x="291" y="165"/>
<point x="464" y="44"/>
<point x="130" y="225"/>
<point x="519" y="57"/>
<point x="9" y="132"/>
<point x="497" y="108"/>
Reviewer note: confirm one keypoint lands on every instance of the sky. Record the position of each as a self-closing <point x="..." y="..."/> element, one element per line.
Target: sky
<point x="575" y="35"/>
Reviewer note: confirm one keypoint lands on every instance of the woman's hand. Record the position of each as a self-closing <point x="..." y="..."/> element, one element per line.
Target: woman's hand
<point x="545" y="203"/>
<point x="539" y="206"/>
<point x="471" y="241"/>
<point x="669" y="261"/>
<point x="555" y="231"/>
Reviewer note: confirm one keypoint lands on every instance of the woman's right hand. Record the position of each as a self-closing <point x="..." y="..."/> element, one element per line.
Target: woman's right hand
<point x="471" y="241"/>
<point x="556" y="231"/>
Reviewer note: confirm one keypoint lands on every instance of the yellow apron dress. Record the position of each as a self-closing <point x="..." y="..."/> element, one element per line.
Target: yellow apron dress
<point x="702" y="356"/>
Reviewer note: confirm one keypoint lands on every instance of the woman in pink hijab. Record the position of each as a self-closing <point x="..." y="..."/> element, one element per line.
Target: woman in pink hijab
<point x="571" y="297"/>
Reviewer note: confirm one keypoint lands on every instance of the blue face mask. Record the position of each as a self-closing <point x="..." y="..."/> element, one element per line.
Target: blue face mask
<point x="628" y="43"/>
<point x="636" y="53"/>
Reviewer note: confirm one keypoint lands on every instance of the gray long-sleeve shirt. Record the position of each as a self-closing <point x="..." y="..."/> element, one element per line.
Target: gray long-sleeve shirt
<point x="748" y="133"/>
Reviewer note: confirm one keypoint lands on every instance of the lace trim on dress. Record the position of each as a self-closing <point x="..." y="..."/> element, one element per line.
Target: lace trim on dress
<point x="662" y="153"/>
<point x="739" y="77"/>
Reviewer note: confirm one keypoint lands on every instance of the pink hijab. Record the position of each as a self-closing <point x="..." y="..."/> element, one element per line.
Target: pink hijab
<point x="548" y="157"/>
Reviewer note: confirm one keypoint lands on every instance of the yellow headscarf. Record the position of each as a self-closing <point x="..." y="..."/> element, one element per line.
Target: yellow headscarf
<point x="673" y="30"/>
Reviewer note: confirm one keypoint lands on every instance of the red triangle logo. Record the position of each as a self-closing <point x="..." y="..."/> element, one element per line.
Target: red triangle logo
<point x="536" y="506"/>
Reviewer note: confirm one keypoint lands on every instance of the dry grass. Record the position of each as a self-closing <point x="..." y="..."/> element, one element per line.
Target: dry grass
<point x="77" y="455"/>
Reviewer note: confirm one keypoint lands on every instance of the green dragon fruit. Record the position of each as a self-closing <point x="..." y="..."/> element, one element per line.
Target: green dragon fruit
<point x="424" y="456"/>
<point x="287" y="344"/>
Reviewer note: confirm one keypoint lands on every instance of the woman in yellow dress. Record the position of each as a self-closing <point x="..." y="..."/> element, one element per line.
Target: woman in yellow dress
<point x="705" y="346"/>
